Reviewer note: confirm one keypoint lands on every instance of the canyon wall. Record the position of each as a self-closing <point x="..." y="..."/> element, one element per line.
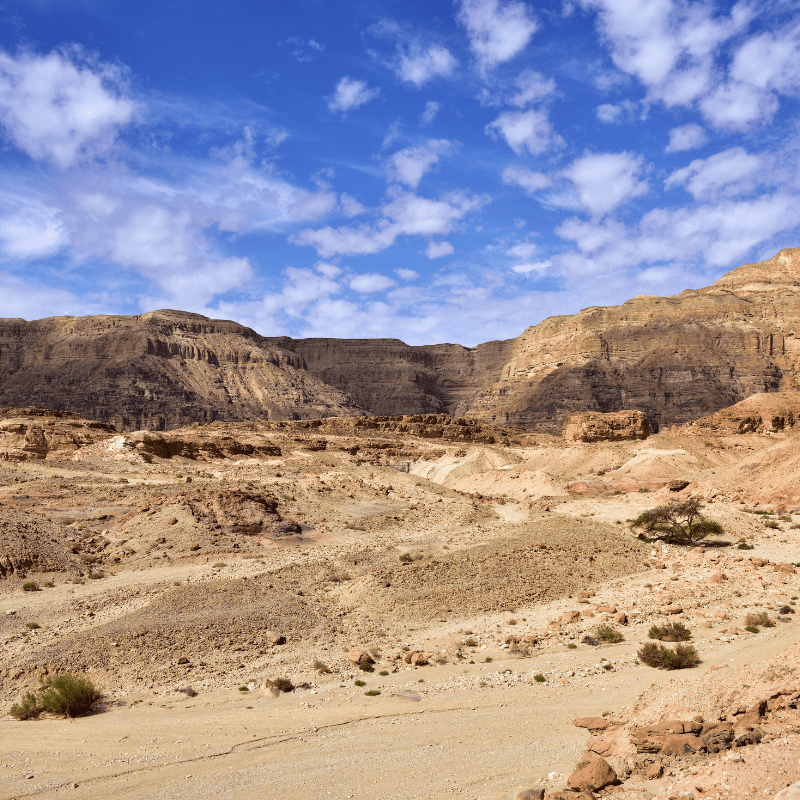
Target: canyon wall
<point x="158" y="370"/>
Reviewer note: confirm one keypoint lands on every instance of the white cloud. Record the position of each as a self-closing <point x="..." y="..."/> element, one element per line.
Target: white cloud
<point x="532" y="267"/>
<point x="409" y="165"/>
<point x="373" y="282"/>
<point x="350" y="206"/>
<point x="603" y="181"/>
<point x="770" y="61"/>
<point x="525" y="130"/>
<point x="62" y="107"/>
<point x="686" y="137"/>
<point x="432" y="108"/>
<point x="420" y="63"/>
<point x="497" y="30"/>
<point x="29" y="228"/>
<point x="738" y="105"/>
<point x="308" y="206"/>
<point x="302" y="287"/>
<point x="530" y="181"/>
<point x="351" y="93"/>
<point x="328" y="270"/>
<point x="531" y="86"/>
<point x="406" y="274"/>
<point x="28" y="301"/>
<point x="405" y="215"/>
<point x="608" y="113"/>
<point x="416" y="59"/>
<point x="439" y="249"/>
<point x="729" y="172"/>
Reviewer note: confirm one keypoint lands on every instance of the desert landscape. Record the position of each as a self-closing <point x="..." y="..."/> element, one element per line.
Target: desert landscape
<point x="357" y="569"/>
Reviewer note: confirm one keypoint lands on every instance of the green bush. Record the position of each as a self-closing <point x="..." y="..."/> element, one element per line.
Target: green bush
<point x="539" y="678"/>
<point x="282" y="684"/>
<point x="745" y="546"/>
<point x="32" y="626"/>
<point x="677" y="523"/>
<point x="30" y="586"/>
<point x="660" y="657"/>
<point x="65" y="694"/>
<point x="761" y="619"/>
<point x="470" y="643"/>
<point x="372" y="693"/>
<point x="751" y="628"/>
<point x="360" y="683"/>
<point x="671" y="632"/>
<point x="321" y="667"/>
<point x="786" y="610"/>
<point x="406" y="558"/>
<point x="605" y="633"/>
<point x="29" y="708"/>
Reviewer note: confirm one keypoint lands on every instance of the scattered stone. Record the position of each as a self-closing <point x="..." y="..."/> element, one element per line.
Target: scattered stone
<point x="360" y="657"/>
<point x="593" y="773"/>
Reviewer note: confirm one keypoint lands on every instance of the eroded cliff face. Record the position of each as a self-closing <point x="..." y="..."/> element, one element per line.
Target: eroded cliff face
<point x="675" y="358"/>
<point x="159" y="371"/>
<point x="389" y="377"/>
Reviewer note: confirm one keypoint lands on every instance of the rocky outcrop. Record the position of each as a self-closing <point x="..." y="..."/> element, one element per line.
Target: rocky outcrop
<point x="158" y="371"/>
<point x="612" y="427"/>
<point x="760" y="413"/>
<point x="36" y="433"/>
<point x="388" y="377"/>
<point x="676" y="358"/>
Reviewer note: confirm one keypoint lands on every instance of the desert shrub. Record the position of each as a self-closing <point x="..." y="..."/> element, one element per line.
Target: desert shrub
<point x="372" y="693"/>
<point x="572" y="646"/>
<point x="605" y="633"/>
<point x="30" y="586"/>
<point x="671" y="632"/>
<point x="282" y="684"/>
<point x="660" y="657"/>
<point x="512" y="622"/>
<point x="364" y="667"/>
<point x="470" y="642"/>
<point x="761" y="619"/>
<point x="243" y="689"/>
<point x="786" y="610"/>
<point x="751" y="628"/>
<point x="32" y="625"/>
<point x="219" y="565"/>
<point x="590" y="640"/>
<point x="406" y="558"/>
<point x="676" y="523"/>
<point x="487" y="660"/>
<point x="383" y="672"/>
<point x="65" y="694"/>
<point x="770" y="523"/>
<point x="539" y="678"/>
<point x="321" y="667"/>
<point x="745" y="546"/>
<point x="360" y="683"/>
<point x="48" y="584"/>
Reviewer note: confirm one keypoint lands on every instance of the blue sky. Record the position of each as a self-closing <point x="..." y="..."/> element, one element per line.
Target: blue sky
<point x="431" y="171"/>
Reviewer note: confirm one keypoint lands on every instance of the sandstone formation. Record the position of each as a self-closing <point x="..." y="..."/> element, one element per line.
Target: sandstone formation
<point x="612" y="427"/>
<point x="389" y="377"/>
<point x="676" y="358"/>
<point x="158" y="370"/>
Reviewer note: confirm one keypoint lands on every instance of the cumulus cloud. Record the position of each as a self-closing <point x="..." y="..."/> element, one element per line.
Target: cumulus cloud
<point x="409" y="165"/>
<point x="439" y="249"/>
<point x="351" y="93"/>
<point x="416" y="59"/>
<point x="497" y="30"/>
<point x="531" y="86"/>
<point x="686" y="137"/>
<point x="432" y="108"/>
<point x="603" y="181"/>
<point x="373" y="282"/>
<point x="29" y="227"/>
<point x="737" y="105"/>
<point x="730" y="172"/>
<point x="521" y="176"/>
<point x="350" y="206"/>
<point x="308" y="206"/>
<point x="405" y="215"/>
<point x="406" y="274"/>
<point x="523" y="131"/>
<point x="62" y="107"/>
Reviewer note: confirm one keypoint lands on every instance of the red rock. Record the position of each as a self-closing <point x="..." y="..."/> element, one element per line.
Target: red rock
<point x="592" y="723"/>
<point x="570" y="616"/>
<point x="360" y="657"/>
<point x="593" y="773"/>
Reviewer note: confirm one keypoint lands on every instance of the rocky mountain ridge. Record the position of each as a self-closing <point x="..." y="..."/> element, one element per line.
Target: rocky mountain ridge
<point x="674" y="358"/>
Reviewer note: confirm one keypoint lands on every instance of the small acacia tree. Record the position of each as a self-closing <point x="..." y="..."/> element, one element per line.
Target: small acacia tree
<point x="676" y="523"/>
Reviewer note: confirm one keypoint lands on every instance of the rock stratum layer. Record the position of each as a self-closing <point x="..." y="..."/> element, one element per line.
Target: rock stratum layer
<point x="158" y="370"/>
<point x="674" y="358"/>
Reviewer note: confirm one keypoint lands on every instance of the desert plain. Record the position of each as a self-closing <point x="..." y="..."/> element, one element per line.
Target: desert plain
<point x="472" y="565"/>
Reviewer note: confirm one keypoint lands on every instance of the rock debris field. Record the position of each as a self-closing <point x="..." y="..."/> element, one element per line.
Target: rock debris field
<point x="442" y="627"/>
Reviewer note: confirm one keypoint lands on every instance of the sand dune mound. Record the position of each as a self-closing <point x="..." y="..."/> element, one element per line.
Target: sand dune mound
<point x="548" y="558"/>
<point x="32" y="543"/>
<point x="214" y="622"/>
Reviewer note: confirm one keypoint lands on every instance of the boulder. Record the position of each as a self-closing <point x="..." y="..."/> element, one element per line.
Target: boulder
<point x="789" y="793"/>
<point x="593" y="773"/>
<point x="360" y="658"/>
<point x="570" y="616"/>
<point x="591" y="723"/>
